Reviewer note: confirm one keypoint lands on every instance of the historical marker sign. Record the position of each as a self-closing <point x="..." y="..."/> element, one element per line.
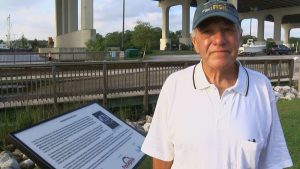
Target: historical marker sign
<point x="89" y="137"/>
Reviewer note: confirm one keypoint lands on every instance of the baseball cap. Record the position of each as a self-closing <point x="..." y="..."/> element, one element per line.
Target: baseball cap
<point x="215" y="8"/>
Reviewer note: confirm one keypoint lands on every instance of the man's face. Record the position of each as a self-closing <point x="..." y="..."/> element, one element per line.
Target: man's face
<point x="217" y="41"/>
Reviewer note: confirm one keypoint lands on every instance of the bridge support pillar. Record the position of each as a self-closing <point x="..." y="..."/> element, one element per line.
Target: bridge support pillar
<point x="277" y="29"/>
<point x="165" y="42"/>
<point x="86" y="14"/>
<point x="58" y="17"/>
<point x="67" y="33"/>
<point x="261" y="28"/>
<point x="72" y="15"/>
<point x="186" y="24"/>
<point x="287" y="29"/>
<point x="65" y="17"/>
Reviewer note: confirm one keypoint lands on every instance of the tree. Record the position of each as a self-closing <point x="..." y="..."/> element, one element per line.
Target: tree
<point x="34" y="44"/>
<point x="42" y="43"/>
<point x="175" y="36"/>
<point x="155" y="38"/>
<point x="96" y="45"/>
<point x="294" y="40"/>
<point x="141" y="37"/>
<point x="22" y="43"/>
<point x="270" y="43"/>
<point x="246" y="37"/>
<point x="113" y="39"/>
<point x="296" y="43"/>
<point x="127" y="39"/>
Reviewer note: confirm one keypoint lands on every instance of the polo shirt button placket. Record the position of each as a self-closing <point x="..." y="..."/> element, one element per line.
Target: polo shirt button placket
<point x="224" y="107"/>
<point x="222" y="123"/>
<point x="215" y="100"/>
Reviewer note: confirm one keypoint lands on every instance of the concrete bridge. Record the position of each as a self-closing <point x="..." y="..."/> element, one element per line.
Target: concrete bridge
<point x="67" y="37"/>
<point x="285" y="14"/>
<point x="67" y="33"/>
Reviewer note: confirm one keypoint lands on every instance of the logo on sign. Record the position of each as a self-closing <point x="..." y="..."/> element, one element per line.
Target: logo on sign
<point x="128" y="161"/>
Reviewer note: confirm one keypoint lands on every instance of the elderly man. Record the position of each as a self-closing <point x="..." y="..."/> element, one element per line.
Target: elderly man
<point x="216" y="114"/>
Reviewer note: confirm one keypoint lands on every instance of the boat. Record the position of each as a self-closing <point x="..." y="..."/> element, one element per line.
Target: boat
<point x="9" y="45"/>
<point x="251" y="48"/>
<point x="4" y="47"/>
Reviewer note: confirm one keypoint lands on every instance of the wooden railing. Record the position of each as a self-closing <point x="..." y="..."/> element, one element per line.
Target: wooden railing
<point x="52" y="83"/>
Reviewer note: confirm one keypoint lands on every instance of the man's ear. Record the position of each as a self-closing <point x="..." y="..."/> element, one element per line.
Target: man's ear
<point x="195" y="43"/>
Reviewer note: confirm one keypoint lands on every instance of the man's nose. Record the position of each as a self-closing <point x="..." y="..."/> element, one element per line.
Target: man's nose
<point x="219" y="38"/>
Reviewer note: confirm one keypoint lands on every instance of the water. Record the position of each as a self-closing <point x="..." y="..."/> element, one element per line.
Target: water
<point x="21" y="59"/>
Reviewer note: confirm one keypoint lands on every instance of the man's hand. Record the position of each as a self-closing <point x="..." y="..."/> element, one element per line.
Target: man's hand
<point x="159" y="164"/>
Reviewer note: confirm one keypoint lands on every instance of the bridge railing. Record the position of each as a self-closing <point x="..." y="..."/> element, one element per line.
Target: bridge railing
<point x="53" y="83"/>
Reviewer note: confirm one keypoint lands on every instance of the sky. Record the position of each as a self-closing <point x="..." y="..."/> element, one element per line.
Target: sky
<point x="36" y="18"/>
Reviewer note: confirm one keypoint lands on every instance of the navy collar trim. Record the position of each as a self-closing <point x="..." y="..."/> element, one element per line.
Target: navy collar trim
<point x="247" y="83"/>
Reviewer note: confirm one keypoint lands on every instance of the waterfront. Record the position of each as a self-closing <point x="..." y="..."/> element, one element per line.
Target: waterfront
<point x="21" y="58"/>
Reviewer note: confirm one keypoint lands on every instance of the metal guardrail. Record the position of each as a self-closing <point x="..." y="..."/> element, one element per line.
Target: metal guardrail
<point x="53" y="83"/>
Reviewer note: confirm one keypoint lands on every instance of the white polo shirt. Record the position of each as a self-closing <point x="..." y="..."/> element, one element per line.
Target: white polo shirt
<point x="197" y="129"/>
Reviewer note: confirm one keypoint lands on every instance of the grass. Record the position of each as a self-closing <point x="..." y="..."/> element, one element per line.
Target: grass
<point x="289" y="112"/>
<point x="146" y="163"/>
<point x="133" y="113"/>
<point x="14" y="119"/>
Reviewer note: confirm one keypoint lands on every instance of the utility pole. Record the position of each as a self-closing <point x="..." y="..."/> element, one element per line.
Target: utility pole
<point x="250" y="27"/>
<point x="123" y="25"/>
<point x="252" y="9"/>
<point x="8" y="43"/>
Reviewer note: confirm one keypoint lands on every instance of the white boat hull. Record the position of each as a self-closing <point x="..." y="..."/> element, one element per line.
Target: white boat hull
<point x="251" y="50"/>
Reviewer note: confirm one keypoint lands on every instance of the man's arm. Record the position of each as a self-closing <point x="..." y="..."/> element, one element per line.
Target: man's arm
<point x="159" y="164"/>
